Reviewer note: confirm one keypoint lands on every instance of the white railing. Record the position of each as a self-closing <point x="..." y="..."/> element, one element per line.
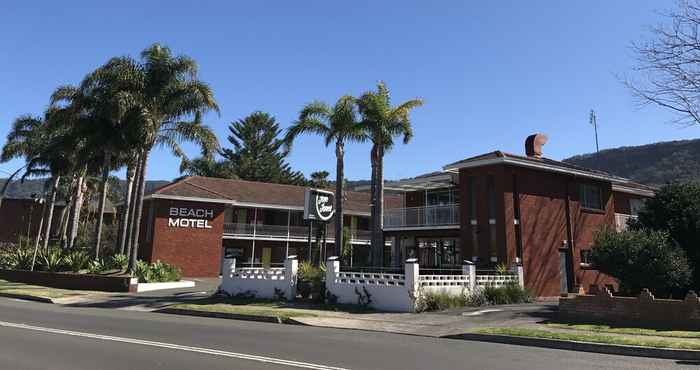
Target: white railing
<point x="260" y="282"/>
<point x="259" y="273"/>
<point x="445" y="280"/>
<point x="621" y="221"/>
<point x="349" y="277"/>
<point x="445" y="215"/>
<point x="283" y="232"/>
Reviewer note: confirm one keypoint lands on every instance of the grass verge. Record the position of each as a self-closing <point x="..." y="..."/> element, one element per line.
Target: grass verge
<point x="628" y="330"/>
<point x="595" y="338"/>
<point x="36" y="290"/>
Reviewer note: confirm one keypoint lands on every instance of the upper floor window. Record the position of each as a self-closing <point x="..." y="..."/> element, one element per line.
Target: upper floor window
<point x="591" y="196"/>
<point x="442" y="197"/>
<point x="636" y="205"/>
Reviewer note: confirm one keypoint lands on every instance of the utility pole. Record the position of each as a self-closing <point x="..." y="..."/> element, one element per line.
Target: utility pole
<point x="593" y="121"/>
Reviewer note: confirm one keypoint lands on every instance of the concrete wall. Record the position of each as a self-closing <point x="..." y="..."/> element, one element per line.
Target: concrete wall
<point x="265" y="283"/>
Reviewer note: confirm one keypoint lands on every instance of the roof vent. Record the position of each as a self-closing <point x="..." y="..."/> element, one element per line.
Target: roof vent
<point x="533" y="145"/>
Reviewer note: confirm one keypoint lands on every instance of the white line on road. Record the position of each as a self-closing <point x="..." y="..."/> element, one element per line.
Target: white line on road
<point x="481" y="312"/>
<point x="270" y="360"/>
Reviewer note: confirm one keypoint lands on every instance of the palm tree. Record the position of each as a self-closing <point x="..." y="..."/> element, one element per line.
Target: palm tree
<point x="111" y="94"/>
<point x="22" y="142"/>
<point x="337" y="124"/>
<point x="382" y="122"/>
<point x="171" y="92"/>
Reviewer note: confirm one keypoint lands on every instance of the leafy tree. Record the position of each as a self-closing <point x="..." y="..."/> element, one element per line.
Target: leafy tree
<point x="338" y="124"/>
<point x="383" y="122"/>
<point x="675" y="209"/>
<point x="319" y="179"/>
<point x="208" y="167"/>
<point x="642" y="259"/>
<point x="258" y="154"/>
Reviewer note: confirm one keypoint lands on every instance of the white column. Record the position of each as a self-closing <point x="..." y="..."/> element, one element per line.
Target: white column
<point x="289" y="223"/>
<point x="469" y="268"/>
<point x="412" y="273"/>
<point x="291" y="266"/>
<point x="332" y="270"/>
<point x="518" y="269"/>
<point x="255" y="226"/>
<point x="227" y="274"/>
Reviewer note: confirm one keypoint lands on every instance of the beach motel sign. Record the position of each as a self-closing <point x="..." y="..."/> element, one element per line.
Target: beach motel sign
<point x="194" y="218"/>
<point x="319" y="205"/>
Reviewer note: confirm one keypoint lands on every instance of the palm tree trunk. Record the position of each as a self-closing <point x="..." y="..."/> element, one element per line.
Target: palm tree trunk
<point x="123" y="230"/>
<point x="132" y="205"/>
<point x="339" y="174"/>
<point x="52" y="204"/>
<point x="38" y="234"/>
<point x="75" y="216"/>
<point x="103" y="200"/>
<point x="377" y="249"/>
<point x="138" y="213"/>
<point x="379" y="221"/>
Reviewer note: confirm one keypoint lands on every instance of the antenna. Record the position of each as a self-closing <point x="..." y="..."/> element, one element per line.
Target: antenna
<point x="593" y="121"/>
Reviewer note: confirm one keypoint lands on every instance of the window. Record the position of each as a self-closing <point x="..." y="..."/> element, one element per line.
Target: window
<point x="591" y="197"/>
<point x="636" y="205"/>
<point x="586" y="257"/>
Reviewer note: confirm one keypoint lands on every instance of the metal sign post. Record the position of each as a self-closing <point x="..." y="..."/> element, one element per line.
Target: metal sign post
<point x="319" y="206"/>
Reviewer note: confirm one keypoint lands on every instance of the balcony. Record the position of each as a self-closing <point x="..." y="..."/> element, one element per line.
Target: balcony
<point x="284" y="232"/>
<point x="422" y="217"/>
<point x="621" y="221"/>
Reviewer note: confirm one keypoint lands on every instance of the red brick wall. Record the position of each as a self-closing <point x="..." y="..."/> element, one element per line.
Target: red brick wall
<point x="415" y="198"/>
<point x="543" y="224"/>
<point x="196" y="251"/>
<point x="15" y="217"/>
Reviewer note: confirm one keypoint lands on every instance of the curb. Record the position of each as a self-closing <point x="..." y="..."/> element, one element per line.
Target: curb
<point x="610" y="349"/>
<point x="27" y="297"/>
<point x="231" y="316"/>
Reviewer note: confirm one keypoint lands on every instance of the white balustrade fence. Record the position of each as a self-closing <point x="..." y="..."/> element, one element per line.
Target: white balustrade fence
<point x="261" y="282"/>
<point x="382" y="291"/>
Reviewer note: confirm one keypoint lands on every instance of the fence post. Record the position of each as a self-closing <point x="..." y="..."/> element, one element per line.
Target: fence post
<point x="332" y="270"/>
<point x="469" y="268"/>
<point x="411" y="276"/>
<point x="291" y="265"/>
<point x="518" y="269"/>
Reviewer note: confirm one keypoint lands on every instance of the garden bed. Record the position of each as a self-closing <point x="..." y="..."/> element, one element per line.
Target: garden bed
<point x="69" y="281"/>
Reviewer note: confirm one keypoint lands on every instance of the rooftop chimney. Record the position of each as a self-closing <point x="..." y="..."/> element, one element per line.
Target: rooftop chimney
<point x="533" y="145"/>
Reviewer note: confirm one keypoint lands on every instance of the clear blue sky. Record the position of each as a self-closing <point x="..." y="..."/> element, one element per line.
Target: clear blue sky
<point x="490" y="72"/>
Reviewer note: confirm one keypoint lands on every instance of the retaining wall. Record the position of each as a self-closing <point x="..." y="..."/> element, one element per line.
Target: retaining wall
<point x="69" y="280"/>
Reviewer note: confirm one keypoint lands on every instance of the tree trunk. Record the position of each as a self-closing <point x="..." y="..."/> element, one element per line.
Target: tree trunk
<point x="75" y="216"/>
<point x="377" y="208"/>
<point x="339" y="170"/>
<point x="373" y="202"/>
<point x="379" y="222"/>
<point x="132" y="206"/>
<point x="103" y="199"/>
<point x="123" y="230"/>
<point x="138" y="213"/>
<point x="38" y="235"/>
<point x="49" y="218"/>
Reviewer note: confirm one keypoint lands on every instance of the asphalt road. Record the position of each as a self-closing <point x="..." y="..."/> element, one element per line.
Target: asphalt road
<point x="43" y="336"/>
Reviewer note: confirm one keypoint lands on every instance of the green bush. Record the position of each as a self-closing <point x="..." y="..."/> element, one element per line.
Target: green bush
<point x="642" y="259"/>
<point x="51" y="260"/>
<point x="119" y="261"/>
<point x="157" y="272"/>
<point x="434" y="301"/>
<point x="96" y="266"/>
<point x="311" y="280"/>
<point x="675" y="209"/>
<point x="510" y="293"/>
<point x="21" y="259"/>
<point x="76" y="260"/>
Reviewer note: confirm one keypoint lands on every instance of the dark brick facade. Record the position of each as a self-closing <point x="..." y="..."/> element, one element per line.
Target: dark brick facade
<point x="196" y="251"/>
<point x="20" y="217"/>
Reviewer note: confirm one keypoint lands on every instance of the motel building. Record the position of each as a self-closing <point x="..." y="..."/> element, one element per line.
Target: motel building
<point x="492" y="209"/>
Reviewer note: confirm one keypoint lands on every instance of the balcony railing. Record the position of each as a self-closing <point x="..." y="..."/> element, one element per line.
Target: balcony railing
<point x="621" y="221"/>
<point x="284" y="232"/>
<point x="444" y="215"/>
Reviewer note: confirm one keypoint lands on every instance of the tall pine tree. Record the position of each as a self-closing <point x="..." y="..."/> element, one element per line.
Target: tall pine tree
<point x="258" y="154"/>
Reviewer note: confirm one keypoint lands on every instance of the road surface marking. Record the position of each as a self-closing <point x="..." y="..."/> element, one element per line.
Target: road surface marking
<point x="270" y="360"/>
<point x="481" y="312"/>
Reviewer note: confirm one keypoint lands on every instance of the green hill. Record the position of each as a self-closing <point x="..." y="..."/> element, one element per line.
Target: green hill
<point x="652" y="164"/>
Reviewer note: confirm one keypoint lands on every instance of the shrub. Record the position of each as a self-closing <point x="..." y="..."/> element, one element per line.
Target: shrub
<point x="76" y="260"/>
<point x="21" y="259"/>
<point x="157" y="272"/>
<point x="675" y="209"/>
<point x="642" y="259"/>
<point x="440" y="301"/>
<point x="311" y="280"/>
<point x="96" y="266"/>
<point x="119" y="261"/>
<point x="510" y="293"/>
<point x="51" y="260"/>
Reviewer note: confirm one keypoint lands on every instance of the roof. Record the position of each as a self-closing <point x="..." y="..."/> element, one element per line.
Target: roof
<point x="258" y="194"/>
<point x="619" y="183"/>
